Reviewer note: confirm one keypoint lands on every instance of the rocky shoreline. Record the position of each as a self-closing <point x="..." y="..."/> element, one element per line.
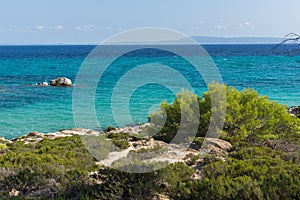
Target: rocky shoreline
<point x="136" y="129"/>
<point x="38" y="136"/>
<point x="171" y="152"/>
<point x="295" y="111"/>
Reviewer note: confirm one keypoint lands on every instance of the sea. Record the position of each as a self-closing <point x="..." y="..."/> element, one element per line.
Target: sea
<point x="26" y="107"/>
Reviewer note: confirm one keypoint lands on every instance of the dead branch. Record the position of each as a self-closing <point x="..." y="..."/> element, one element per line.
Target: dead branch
<point x="289" y="37"/>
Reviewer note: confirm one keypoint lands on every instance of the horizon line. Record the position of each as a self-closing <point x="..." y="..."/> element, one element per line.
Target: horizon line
<point x="211" y="40"/>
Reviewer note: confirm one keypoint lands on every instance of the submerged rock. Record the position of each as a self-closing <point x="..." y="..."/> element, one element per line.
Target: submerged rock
<point x="61" y="81"/>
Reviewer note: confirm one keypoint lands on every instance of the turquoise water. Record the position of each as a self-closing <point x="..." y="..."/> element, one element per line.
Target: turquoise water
<point x="25" y="107"/>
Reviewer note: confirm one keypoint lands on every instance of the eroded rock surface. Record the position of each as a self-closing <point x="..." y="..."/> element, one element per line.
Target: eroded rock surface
<point x="61" y="81"/>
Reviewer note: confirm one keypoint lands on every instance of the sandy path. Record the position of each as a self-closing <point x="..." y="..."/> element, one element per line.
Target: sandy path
<point x="114" y="156"/>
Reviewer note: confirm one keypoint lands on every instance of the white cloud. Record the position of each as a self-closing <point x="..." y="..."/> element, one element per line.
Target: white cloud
<point x="88" y="27"/>
<point x="39" y="27"/>
<point x="221" y="26"/>
<point x="12" y="28"/>
<point x="198" y="25"/>
<point x="247" y="25"/>
<point x="43" y="28"/>
<point x="58" y="27"/>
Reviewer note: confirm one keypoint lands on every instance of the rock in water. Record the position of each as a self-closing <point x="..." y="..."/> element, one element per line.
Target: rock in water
<point x="43" y="84"/>
<point x="61" y="81"/>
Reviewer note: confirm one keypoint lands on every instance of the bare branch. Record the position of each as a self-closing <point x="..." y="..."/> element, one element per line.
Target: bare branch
<point x="292" y="35"/>
<point x="289" y="37"/>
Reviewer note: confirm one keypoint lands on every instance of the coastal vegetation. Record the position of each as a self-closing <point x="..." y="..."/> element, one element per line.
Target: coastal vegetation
<point x="263" y="161"/>
<point x="249" y="117"/>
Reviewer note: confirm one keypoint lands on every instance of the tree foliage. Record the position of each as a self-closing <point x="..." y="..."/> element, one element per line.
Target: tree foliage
<point x="51" y="164"/>
<point x="249" y="117"/>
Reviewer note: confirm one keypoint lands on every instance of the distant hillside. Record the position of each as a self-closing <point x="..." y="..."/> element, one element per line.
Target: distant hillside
<point x="237" y="40"/>
<point x="199" y="39"/>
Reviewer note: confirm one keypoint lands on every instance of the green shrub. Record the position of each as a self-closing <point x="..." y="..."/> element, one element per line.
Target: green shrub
<point x="122" y="144"/>
<point x="34" y="165"/>
<point x="119" y="139"/>
<point x="185" y="108"/>
<point x="3" y="146"/>
<point x="249" y="117"/>
<point x="118" y="136"/>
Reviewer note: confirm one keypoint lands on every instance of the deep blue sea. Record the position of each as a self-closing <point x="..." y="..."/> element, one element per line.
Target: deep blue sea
<point x="25" y="107"/>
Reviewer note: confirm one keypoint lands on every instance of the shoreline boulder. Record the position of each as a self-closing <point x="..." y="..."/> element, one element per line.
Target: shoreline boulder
<point x="61" y="81"/>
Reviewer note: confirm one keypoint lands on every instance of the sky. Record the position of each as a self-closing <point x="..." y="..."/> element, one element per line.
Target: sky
<point x="91" y="21"/>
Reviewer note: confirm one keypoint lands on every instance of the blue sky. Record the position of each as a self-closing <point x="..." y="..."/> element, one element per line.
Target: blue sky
<point x="91" y="21"/>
